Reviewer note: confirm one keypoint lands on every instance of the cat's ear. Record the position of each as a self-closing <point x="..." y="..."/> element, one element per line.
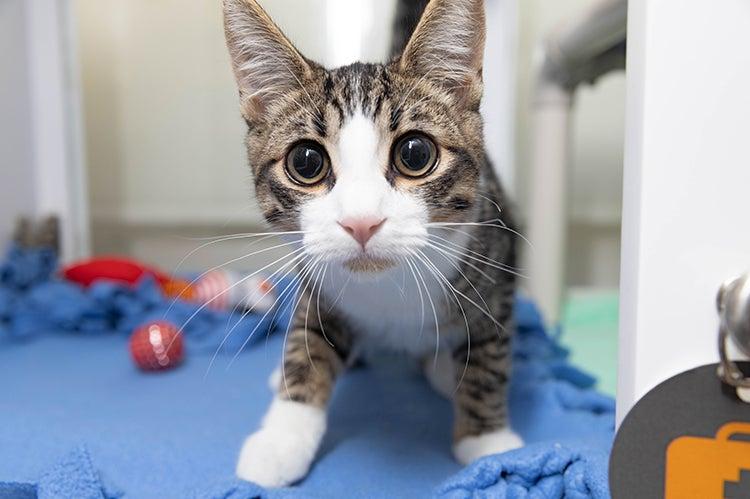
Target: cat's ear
<point x="447" y="47"/>
<point x="266" y="64"/>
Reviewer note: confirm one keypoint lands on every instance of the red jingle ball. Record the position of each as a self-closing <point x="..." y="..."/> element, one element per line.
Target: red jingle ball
<point x="157" y="346"/>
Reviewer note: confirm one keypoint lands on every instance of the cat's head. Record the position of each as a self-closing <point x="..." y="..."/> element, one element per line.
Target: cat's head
<point x="361" y="160"/>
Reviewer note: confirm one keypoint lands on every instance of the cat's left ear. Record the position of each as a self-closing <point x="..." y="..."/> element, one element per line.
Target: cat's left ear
<point x="447" y="47"/>
<point x="266" y="64"/>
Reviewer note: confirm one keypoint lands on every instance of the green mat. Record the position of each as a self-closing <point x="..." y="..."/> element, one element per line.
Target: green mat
<point x="590" y="323"/>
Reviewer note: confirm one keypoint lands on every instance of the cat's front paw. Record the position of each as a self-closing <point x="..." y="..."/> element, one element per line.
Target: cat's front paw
<point x="282" y="451"/>
<point x="270" y="459"/>
<point x="469" y="449"/>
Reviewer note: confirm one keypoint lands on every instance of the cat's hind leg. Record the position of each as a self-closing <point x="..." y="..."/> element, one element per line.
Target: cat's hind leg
<point x="275" y="380"/>
<point x="440" y="373"/>
<point x="482" y="427"/>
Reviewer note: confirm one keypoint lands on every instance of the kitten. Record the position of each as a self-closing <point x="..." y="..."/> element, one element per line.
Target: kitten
<point x="381" y="172"/>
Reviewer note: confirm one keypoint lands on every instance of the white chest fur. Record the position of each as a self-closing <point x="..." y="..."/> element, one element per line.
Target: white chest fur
<point x="402" y="309"/>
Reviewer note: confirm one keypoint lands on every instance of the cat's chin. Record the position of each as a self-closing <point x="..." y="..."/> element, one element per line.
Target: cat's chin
<point x="365" y="264"/>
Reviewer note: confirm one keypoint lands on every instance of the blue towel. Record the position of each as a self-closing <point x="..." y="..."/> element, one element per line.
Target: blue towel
<point x="572" y="471"/>
<point x="378" y="442"/>
<point x="33" y="302"/>
<point x="73" y="476"/>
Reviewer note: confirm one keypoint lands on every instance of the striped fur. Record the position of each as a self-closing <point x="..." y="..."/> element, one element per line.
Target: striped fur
<point x="435" y="88"/>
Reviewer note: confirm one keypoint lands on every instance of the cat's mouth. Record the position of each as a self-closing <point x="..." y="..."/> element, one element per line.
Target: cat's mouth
<point x="367" y="264"/>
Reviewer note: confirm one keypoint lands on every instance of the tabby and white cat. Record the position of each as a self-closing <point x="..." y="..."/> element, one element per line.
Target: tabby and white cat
<point x="382" y="172"/>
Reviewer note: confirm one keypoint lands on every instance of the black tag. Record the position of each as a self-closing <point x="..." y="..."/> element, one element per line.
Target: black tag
<point x="688" y="438"/>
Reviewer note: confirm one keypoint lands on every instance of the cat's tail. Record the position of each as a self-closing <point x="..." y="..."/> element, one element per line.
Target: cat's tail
<point x="408" y="14"/>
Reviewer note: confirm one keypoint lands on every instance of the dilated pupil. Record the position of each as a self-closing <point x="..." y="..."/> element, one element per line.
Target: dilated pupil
<point x="415" y="154"/>
<point x="308" y="162"/>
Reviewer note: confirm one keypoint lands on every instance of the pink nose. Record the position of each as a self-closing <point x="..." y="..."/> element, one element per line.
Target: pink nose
<point x="362" y="229"/>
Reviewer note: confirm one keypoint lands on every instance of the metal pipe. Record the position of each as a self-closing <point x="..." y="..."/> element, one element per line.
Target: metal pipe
<point x="578" y="52"/>
<point x="548" y="203"/>
<point x="588" y="47"/>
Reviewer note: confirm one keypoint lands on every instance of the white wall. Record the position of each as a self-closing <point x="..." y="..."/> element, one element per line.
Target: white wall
<point x="16" y="182"/>
<point x="54" y="110"/>
<point x="499" y="103"/>
<point x="164" y="135"/>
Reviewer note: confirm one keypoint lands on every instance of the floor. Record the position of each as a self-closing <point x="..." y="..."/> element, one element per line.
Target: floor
<point x="589" y="329"/>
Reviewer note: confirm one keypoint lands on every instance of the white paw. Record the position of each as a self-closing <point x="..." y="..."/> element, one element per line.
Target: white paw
<point x="470" y="449"/>
<point x="281" y="452"/>
<point x="441" y="374"/>
<point x="274" y="380"/>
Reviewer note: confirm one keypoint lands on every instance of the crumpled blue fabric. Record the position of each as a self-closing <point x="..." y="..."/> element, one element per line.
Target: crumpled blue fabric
<point x="552" y="404"/>
<point x="24" y="268"/>
<point x="540" y="471"/>
<point x="73" y="476"/>
<point x="34" y="302"/>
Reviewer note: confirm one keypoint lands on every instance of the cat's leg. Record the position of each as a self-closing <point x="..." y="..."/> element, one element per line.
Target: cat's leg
<point x="482" y="426"/>
<point x="283" y="449"/>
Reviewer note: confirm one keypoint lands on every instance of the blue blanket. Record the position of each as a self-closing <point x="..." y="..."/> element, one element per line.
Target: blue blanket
<point x="78" y="420"/>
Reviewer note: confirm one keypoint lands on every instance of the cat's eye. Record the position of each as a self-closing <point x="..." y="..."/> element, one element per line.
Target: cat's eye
<point x="307" y="163"/>
<point x="415" y="155"/>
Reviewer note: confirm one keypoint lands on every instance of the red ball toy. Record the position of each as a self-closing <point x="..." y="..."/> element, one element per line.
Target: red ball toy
<point x="157" y="346"/>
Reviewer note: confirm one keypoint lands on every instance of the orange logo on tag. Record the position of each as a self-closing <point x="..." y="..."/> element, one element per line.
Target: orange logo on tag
<point x="699" y="468"/>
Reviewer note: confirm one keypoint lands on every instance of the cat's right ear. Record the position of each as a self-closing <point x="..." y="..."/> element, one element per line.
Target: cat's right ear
<point x="447" y="48"/>
<point x="266" y="64"/>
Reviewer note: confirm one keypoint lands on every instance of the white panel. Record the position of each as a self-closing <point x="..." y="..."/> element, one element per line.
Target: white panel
<point x="687" y="174"/>
<point x="548" y="201"/>
<point x="42" y="170"/>
<point x="16" y="181"/>
<point x="498" y="107"/>
<point x="48" y="116"/>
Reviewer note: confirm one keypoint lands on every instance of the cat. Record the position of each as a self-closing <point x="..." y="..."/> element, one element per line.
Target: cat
<point x="404" y="235"/>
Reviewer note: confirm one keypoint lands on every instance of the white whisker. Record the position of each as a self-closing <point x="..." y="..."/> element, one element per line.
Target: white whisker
<point x="484" y="311"/>
<point x="290" y="268"/>
<point x="303" y="276"/>
<point x="449" y="258"/>
<point x="320" y="317"/>
<point x="466" y="251"/>
<point x="222" y="293"/>
<point x="437" y="272"/>
<point x="465" y="262"/>
<point x="421" y="296"/>
<point x="483" y="260"/>
<point x="223" y="239"/>
<point x="234" y="260"/>
<point x="487" y="223"/>
<point x="434" y="312"/>
<point x="307" y="314"/>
